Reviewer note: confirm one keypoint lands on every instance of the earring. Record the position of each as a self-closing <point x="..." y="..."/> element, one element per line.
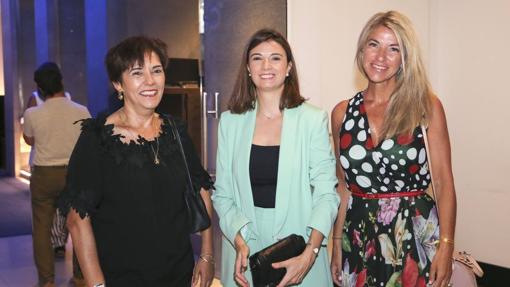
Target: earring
<point x="399" y="70"/>
<point x="287" y="74"/>
<point x="249" y="74"/>
<point x="120" y="95"/>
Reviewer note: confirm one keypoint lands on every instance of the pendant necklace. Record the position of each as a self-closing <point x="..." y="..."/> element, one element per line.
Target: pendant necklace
<point x="155" y="152"/>
<point x="268" y="115"/>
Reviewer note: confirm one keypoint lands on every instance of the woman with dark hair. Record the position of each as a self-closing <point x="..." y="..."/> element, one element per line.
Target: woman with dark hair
<point x="125" y="188"/>
<point x="388" y="227"/>
<point x="275" y="168"/>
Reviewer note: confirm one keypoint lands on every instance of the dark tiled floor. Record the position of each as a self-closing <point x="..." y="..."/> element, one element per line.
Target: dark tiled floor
<point x="17" y="267"/>
<point x="15" y="210"/>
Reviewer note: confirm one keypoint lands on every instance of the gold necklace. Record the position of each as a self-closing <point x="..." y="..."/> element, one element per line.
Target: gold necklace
<point x="268" y="115"/>
<point x="155" y="153"/>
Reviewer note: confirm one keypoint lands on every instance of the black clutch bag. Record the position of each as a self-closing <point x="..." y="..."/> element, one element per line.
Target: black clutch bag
<point x="263" y="274"/>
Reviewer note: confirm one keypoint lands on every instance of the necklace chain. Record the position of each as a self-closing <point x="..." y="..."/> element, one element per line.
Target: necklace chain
<point x="268" y="115"/>
<point x="156" y="152"/>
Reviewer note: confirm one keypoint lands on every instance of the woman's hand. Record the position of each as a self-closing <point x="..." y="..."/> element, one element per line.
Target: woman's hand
<point x="242" y="253"/>
<point x="441" y="268"/>
<point x="204" y="271"/>
<point x="336" y="261"/>
<point x="204" y="268"/>
<point x="297" y="267"/>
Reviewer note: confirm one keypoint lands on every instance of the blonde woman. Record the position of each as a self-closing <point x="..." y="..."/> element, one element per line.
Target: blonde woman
<point x="387" y="227"/>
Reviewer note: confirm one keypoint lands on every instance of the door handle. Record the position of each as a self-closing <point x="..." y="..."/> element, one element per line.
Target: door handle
<point x="205" y="138"/>
<point x="206" y="114"/>
<point x="214" y="112"/>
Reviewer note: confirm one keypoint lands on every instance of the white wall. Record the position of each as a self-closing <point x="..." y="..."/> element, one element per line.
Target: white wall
<point x="324" y="36"/>
<point x="466" y="47"/>
<point x="470" y="63"/>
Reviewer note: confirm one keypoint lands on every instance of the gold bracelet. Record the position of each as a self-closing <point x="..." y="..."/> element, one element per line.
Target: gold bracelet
<point x="210" y="260"/>
<point x="337" y="237"/>
<point x="447" y="240"/>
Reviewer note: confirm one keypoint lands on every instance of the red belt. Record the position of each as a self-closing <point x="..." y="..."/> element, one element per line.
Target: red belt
<point x="388" y="194"/>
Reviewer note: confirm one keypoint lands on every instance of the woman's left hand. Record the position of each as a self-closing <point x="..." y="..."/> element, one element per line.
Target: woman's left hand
<point x="441" y="268"/>
<point x="203" y="273"/>
<point x="297" y="267"/>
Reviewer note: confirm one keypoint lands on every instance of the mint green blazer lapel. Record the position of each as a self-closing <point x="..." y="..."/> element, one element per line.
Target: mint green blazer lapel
<point x="286" y="165"/>
<point x="244" y="143"/>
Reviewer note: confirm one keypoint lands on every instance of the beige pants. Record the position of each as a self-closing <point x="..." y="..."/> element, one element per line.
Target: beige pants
<point x="46" y="183"/>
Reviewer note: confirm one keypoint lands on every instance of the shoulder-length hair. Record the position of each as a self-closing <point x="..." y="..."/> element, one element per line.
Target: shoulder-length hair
<point x="410" y="102"/>
<point x="244" y="94"/>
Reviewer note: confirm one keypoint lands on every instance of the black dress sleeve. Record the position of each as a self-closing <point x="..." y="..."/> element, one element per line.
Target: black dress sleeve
<point x="199" y="177"/>
<point x="83" y="191"/>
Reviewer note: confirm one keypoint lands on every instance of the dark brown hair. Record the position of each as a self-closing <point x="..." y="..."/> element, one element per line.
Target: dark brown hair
<point x="130" y="51"/>
<point x="244" y="95"/>
<point x="48" y="79"/>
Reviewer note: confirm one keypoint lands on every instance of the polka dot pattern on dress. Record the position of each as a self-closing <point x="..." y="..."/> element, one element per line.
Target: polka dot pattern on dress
<point x="396" y="164"/>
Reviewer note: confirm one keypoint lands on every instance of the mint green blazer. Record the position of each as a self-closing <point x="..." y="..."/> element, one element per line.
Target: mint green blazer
<point x="306" y="197"/>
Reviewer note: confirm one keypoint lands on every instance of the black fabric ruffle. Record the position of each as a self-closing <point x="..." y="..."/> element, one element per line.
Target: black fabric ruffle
<point x="134" y="152"/>
<point x="98" y="143"/>
<point x="77" y="199"/>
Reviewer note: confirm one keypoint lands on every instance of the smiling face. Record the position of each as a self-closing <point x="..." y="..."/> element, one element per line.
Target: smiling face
<point x="268" y="66"/>
<point x="381" y="55"/>
<point x="143" y="85"/>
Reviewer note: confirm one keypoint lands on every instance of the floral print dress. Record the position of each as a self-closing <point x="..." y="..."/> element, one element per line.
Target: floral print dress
<point x="391" y="224"/>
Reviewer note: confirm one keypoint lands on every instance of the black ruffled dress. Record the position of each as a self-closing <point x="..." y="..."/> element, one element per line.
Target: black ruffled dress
<point x="136" y="207"/>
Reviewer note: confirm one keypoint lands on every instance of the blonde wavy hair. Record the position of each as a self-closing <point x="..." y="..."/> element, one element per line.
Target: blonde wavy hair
<point x="410" y="103"/>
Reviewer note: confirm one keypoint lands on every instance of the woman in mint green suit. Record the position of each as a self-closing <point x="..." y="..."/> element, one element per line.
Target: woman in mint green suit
<point x="275" y="171"/>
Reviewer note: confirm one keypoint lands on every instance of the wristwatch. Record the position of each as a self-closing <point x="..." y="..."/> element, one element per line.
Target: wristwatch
<point x="315" y="250"/>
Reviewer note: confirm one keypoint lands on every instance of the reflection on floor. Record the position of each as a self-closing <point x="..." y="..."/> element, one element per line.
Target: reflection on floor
<point x="17" y="267"/>
<point x="15" y="209"/>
